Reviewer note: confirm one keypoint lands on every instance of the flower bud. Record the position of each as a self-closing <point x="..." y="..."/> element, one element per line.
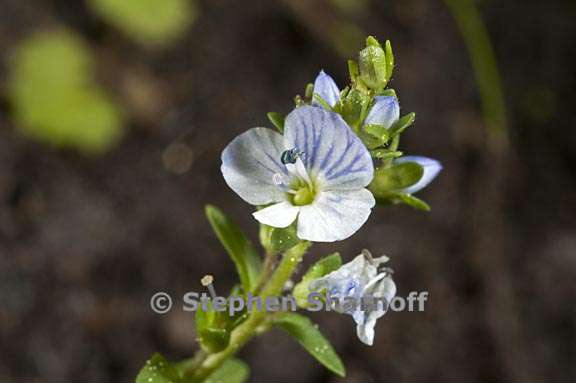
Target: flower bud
<point x="373" y="66"/>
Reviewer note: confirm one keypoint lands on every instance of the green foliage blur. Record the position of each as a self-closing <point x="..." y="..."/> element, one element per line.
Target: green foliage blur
<point x="55" y="98"/>
<point x="149" y="22"/>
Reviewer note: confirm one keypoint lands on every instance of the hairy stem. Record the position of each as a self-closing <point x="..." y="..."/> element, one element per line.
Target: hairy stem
<point x="248" y="329"/>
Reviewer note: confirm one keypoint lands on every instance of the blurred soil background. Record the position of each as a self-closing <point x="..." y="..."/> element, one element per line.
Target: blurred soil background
<point x="85" y="240"/>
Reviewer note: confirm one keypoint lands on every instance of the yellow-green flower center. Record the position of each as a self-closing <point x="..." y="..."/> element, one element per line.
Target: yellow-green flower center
<point x="304" y="196"/>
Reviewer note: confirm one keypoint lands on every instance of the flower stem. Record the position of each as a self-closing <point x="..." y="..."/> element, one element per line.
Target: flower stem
<point x="248" y="329"/>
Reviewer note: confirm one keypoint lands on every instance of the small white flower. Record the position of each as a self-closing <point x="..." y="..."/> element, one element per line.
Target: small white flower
<point x="321" y="181"/>
<point x="364" y="280"/>
<point x="431" y="169"/>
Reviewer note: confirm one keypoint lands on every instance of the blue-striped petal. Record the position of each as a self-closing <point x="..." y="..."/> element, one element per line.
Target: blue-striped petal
<point x="334" y="216"/>
<point x="325" y="87"/>
<point x="249" y="163"/>
<point x="332" y="153"/>
<point x="385" y="111"/>
<point x="431" y="170"/>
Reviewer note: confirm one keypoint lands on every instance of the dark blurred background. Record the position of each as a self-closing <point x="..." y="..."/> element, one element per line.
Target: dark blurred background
<point x="91" y="227"/>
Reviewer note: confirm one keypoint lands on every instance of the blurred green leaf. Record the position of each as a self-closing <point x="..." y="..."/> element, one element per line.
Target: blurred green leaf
<point x="231" y="371"/>
<point x="277" y="120"/>
<point x="54" y="97"/>
<point x="308" y="335"/>
<point x="324" y="266"/>
<point x="240" y="249"/>
<point x="158" y="370"/>
<point x="150" y="22"/>
<point x="395" y="177"/>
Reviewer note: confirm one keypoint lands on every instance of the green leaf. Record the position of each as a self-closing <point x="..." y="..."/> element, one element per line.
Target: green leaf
<point x="213" y="329"/>
<point x="308" y="335"/>
<point x="52" y="91"/>
<point x="277" y="120"/>
<point x="318" y="270"/>
<point x="402" y="123"/>
<point x="231" y="371"/>
<point x="277" y="240"/>
<point x="158" y="370"/>
<point x="240" y="249"/>
<point x="395" y="177"/>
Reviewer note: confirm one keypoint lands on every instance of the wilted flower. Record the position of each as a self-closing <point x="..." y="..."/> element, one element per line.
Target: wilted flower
<point x="321" y="180"/>
<point x="362" y="280"/>
<point x="431" y="169"/>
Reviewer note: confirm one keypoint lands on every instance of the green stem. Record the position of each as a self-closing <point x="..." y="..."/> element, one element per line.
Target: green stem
<point x="248" y="329"/>
<point x="267" y="269"/>
<point x="485" y="67"/>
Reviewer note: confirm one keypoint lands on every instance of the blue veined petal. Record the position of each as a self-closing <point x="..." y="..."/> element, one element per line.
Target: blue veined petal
<point x="325" y="87"/>
<point x="249" y="163"/>
<point x="386" y="289"/>
<point x="334" y="215"/>
<point x="385" y="111"/>
<point x="332" y="153"/>
<point x="431" y="170"/>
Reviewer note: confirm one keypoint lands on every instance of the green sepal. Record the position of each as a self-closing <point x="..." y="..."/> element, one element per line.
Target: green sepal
<point x="277" y="240"/>
<point x="353" y="70"/>
<point x="240" y="249"/>
<point x="374" y="135"/>
<point x="403" y="198"/>
<point x="277" y="120"/>
<point x="415" y="202"/>
<point x="318" y="270"/>
<point x="309" y="91"/>
<point x="353" y="108"/>
<point x="389" y="59"/>
<point x="321" y="101"/>
<point x="158" y="370"/>
<point x="308" y="335"/>
<point x="388" y="92"/>
<point x="384" y="154"/>
<point x="403" y="122"/>
<point x="395" y="177"/>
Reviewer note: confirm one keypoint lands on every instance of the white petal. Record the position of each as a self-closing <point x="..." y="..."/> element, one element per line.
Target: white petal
<point x="431" y="170"/>
<point x="386" y="289"/>
<point x="279" y="215"/>
<point x="334" y="216"/>
<point x="385" y="111"/>
<point x="249" y="163"/>
<point x="332" y="153"/>
<point x="365" y="332"/>
<point x="325" y="87"/>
